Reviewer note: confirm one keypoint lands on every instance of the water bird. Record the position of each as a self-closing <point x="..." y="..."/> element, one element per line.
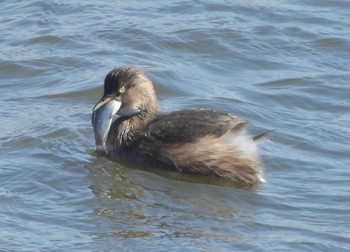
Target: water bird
<point x="128" y="127"/>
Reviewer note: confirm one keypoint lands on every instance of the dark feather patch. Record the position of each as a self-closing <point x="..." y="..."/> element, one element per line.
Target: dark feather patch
<point x="263" y="136"/>
<point x="189" y="125"/>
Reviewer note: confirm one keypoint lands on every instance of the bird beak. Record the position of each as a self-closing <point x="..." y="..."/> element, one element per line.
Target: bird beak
<point x="103" y="101"/>
<point x="103" y="116"/>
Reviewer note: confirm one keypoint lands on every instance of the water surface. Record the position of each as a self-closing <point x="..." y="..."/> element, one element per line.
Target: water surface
<point x="278" y="64"/>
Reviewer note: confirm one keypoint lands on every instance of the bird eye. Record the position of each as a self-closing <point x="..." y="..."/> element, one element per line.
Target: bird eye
<point x="121" y="90"/>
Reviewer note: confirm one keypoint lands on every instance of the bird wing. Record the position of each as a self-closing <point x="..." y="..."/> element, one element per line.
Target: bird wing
<point x="189" y="125"/>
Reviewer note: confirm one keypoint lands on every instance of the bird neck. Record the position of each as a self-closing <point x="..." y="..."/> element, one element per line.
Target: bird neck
<point x="126" y="130"/>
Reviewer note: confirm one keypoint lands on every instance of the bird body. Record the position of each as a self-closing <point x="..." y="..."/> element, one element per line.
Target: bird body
<point x="199" y="141"/>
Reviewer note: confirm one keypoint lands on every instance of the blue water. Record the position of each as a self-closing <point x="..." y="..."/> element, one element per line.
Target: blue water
<point x="280" y="65"/>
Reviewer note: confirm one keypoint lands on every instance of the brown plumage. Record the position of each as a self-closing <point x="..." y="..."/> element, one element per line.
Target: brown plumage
<point x="199" y="141"/>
